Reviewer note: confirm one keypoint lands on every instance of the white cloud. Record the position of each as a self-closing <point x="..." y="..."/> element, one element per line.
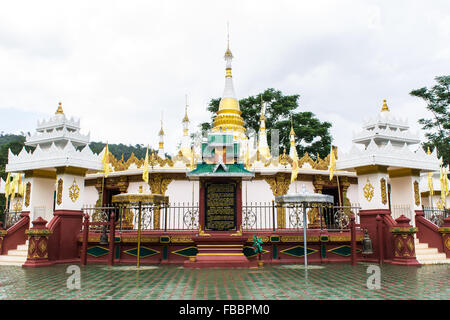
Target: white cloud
<point x="118" y="64"/>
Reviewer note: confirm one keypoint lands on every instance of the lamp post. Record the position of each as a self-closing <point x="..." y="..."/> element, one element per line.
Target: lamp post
<point x="305" y="200"/>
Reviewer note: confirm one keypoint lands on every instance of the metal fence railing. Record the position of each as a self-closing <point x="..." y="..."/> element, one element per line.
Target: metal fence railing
<point x="255" y="216"/>
<point x="276" y="216"/>
<point x="10" y="218"/>
<point x="436" y="215"/>
<point x="174" y="216"/>
<point x="402" y="209"/>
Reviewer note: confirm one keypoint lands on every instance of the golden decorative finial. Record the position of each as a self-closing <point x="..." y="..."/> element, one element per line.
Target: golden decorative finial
<point x="263" y="116"/>
<point x="385" y="107"/>
<point x="428" y="152"/>
<point x="161" y="132"/>
<point x="59" y="110"/>
<point x="186" y="119"/>
<point x="228" y="53"/>
<point x="292" y="133"/>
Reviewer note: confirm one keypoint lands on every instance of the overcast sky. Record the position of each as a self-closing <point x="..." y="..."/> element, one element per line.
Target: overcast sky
<point x="118" y="64"/>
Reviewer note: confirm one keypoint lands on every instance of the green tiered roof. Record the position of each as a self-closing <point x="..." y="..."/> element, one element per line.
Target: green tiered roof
<point x="220" y="170"/>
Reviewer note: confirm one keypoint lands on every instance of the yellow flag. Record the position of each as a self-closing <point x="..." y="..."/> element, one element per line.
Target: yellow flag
<point x="247" y="157"/>
<point x="8" y="185"/>
<point x="446" y="183"/>
<point x="105" y="161"/>
<point x="145" y="172"/>
<point x="12" y="191"/>
<point x="442" y="184"/>
<point x="294" y="167"/>
<point x="193" y="158"/>
<point x="21" y="186"/>
<point x="430" y="183"/>
<point x="332" y="167"/>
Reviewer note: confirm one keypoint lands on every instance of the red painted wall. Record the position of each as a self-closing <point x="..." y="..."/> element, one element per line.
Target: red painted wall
<point x="428" y="232"/>
<point x="65" y="227"/>
<point x="16" y="233"/>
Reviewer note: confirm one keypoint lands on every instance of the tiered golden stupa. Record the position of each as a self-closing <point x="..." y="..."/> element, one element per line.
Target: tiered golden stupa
<point x="229" y="115"/>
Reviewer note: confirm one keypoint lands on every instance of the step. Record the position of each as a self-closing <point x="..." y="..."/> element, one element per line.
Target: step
<point x="421" y="246"/>
<point x="440" y="261"/>
<point x="22" y="247"/>
<point x="21" y="253"/>
<point x="13" y="258"/>
<point x="438" y="256"/>
<point x="11" y="263"/>
<point x="426" y="251"/>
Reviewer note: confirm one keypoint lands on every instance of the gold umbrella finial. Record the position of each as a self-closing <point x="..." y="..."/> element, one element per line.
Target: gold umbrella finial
<point x="59" y="110"/>
<point x="385" y="107"/>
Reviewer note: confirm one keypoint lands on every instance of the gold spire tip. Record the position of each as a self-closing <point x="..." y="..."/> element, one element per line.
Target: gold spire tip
<point x="385" y="107"/>
<point x="59" y="110"/>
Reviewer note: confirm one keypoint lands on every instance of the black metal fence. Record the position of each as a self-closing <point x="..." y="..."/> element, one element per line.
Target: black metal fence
<point x="275" y="216"/>
<point x="255" y="216"/>
<point x="436" y="215"/>
<point x="172" y="216"/>
<point x="10" y="218"/>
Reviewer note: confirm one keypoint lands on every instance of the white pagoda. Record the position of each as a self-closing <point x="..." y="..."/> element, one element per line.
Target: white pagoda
<point x="388" y="170"/>
<point x="55" y="170"/>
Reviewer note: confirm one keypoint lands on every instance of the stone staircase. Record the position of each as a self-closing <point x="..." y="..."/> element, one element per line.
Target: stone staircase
<point x="426" y="255"/>
<point x="15" y="257"/>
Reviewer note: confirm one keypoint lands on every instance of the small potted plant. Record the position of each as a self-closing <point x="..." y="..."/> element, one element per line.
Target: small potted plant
<point x="257" y="247"/>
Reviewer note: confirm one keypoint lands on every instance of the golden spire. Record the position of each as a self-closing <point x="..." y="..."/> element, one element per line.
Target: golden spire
<point x="186" y="119"/>
<point x="428" y="152"/>
<point x="59" y="110"/>
<point x="292" y="133"/>
<point x="228" y="53"/>
<point x="263" y="116"/>
<point x="161" y="132"/>
<point x="228" y="116"/>
<point x="385" y="107"/>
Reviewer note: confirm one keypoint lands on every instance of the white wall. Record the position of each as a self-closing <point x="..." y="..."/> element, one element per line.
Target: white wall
<point x="352" y="193"/>
<point x="376" y="200"/>
<point x="183" y="191"/>
<point x="67" y="203"/>
<point x="41" y="198"/>
<point x="90" y="196"/>
<point x="256" y="191"/>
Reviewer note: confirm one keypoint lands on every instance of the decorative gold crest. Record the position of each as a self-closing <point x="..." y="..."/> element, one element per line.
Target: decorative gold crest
<point x="416" y="193"/>
<point x="383" y="191"/>
<point x="27" y="194"/>
<point x="440" y="204"/>
<point x="74" y="191"/>
<point x="18" y="205"/>
<point x="368" y="191"/>
<point x="447" y="243"/>
<point x="59" y="194"/>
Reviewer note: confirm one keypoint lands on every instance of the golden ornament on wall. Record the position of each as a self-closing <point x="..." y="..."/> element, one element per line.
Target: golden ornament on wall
<point x="27" y="194"/>
<point x="74" y="191"/>
<point x="18" y="205"/>
<point x="383" y="191"/>
<point x="416" y="193"/>
<point x="59" y="192"/>
<point x="447" y="243"/>
<point x="440" y="204"/>
<point x="368" y="191"/>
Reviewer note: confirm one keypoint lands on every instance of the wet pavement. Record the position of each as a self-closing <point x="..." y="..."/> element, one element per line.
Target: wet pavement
<point x="330" y="281"/>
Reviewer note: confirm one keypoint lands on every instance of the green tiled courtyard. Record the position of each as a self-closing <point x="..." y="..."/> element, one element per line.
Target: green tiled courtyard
<point x="331" y="281"/>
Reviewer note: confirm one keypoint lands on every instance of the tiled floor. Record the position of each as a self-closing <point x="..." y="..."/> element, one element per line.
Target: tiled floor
<point x="332" y="281"/>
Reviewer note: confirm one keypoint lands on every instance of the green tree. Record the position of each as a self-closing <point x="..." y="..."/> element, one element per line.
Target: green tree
<point x="312" y="135"/>
<point x="438" y="127"/>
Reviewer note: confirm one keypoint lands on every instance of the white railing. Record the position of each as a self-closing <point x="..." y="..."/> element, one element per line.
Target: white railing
<point x="402" y="209"/>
